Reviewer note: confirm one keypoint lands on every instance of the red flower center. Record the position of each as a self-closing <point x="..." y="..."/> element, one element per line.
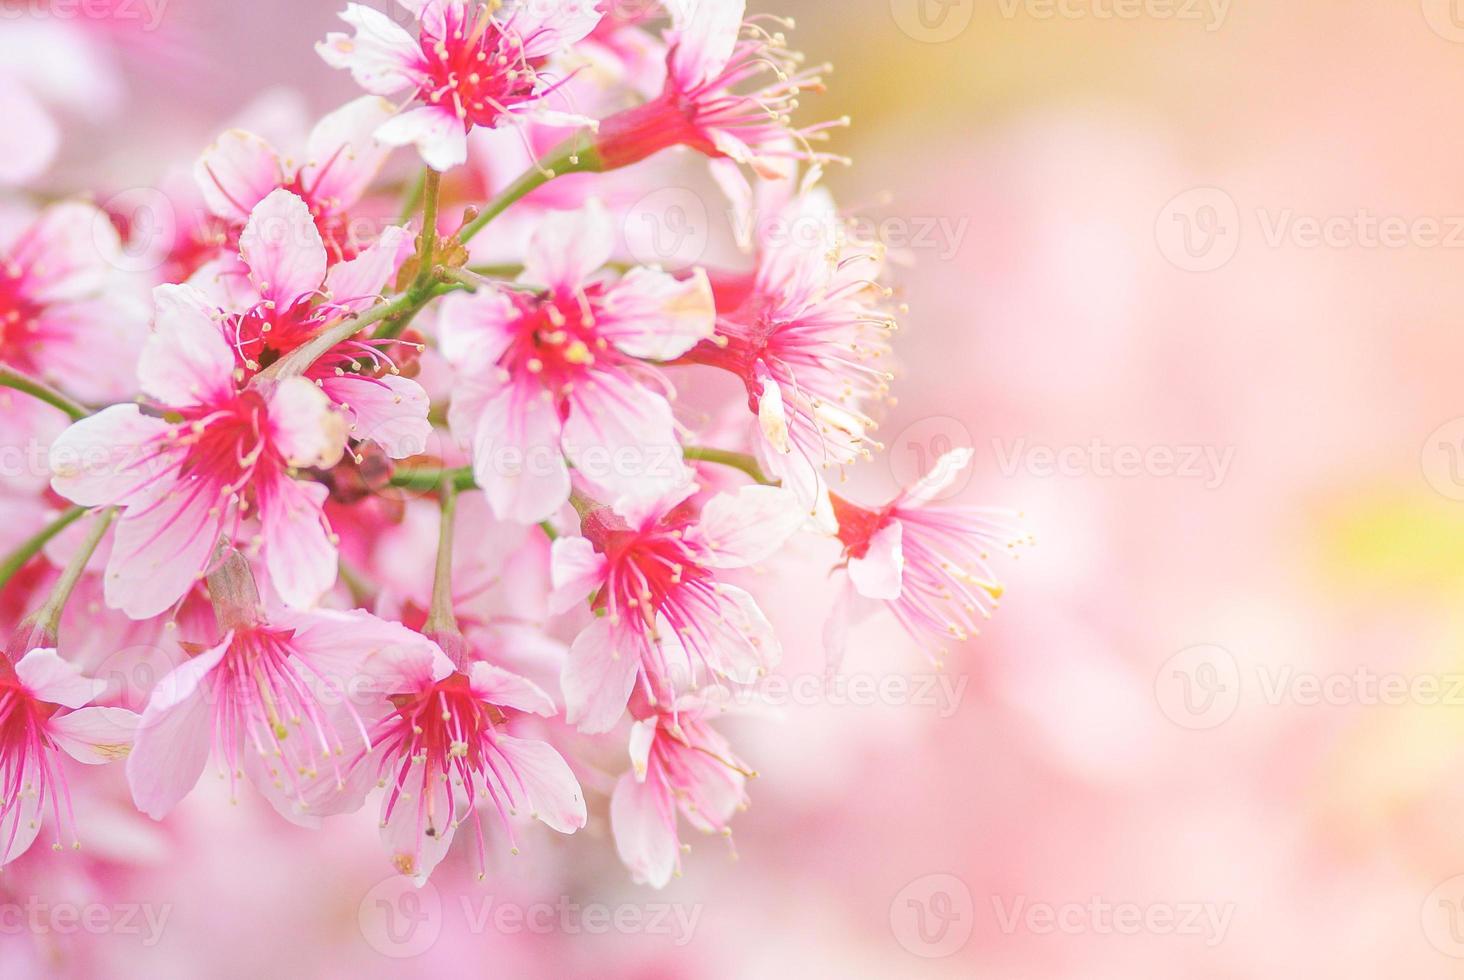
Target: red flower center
<point x="477" y="68"/>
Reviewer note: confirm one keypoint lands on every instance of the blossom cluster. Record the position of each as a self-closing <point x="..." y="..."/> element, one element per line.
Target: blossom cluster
<point x="397" y="480"/>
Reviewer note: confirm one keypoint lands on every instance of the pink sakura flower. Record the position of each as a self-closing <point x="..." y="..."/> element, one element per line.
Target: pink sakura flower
<point x="928" y="564"/>
<point x="342" y="157"/>
<point x="441" y="753"/>
<point x="661" y="610"/>
<point x="43" y="709"/>
<point x="472" y="64"/>
<point x="729" y="93"/>
<point x="211" y="452"/>
<point x="67" y="315"/>
<point x="279" y="699"/>
<point x="678" y="763"/>
<point x="805" y="340"/>
<point x="557" y="370"/>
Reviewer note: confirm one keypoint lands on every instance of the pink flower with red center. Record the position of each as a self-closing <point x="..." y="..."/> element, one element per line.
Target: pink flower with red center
<point x="662" y="613"/>
<point x="731" y="88"/>
<point x="472" y="64"/>
<point x="342" y="156"/>
<point x="806" y="340"/>
<point x="928" y="564"/>
<point x="67" y="316"/>
<point x="294" y="293"/>
<point x="280" y="698"/>
<point x="44" y="710"/>
<point x="679" y="766"/>
<point x="442" y="754"/>
<point x="557" y="370"/>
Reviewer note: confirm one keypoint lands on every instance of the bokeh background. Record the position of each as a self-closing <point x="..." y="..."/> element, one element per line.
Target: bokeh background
<point x="1187" y="276"/>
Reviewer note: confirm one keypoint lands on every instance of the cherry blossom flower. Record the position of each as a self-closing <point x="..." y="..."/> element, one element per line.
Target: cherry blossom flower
<point x="44" y="708"/>
<point x="341" y="158"/>
<point x="557" y="371"/>
<point x="806" y="340"/>
<point x="472" y="64"/>
<point x="279" y="699"/>
<point x="442" y="753"/>
<point x="661" y="610"/>
<point x="68" y="317"/>
<point x="679" y="764"/>
<point x="730" y="90"/>
<point x="928" y="564"/>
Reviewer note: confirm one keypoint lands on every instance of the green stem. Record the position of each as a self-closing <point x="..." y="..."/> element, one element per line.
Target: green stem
<point x="549" y="531"/>
<point x="21" y="556"/>
<point x="298" y="361"/>
<point x="574" y="155"/>
<point x="424" y="481"/>
<point x="738" y="461"/>
<point x="431" y="186"/>
<point x="413" y="199"/>
<point x="44" y="625"/>
<point x="11" y="378"/>
<point x="441" y="618"/>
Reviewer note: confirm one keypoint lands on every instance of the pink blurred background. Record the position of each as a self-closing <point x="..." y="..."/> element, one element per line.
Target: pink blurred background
<point x="1187" y="278"/>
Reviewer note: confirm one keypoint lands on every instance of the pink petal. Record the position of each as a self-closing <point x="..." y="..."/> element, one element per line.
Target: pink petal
<point x="642" y="738"/>
<point x="880" y="573"/>
<point x="299" y="549"/>
<point x="305" y="426"/>
<point x="568" y="247"/>
<point x="390" y="411"/>
<point x="946" y="471"/>
<point x="621" y="437"/>
<point x="749" y="526"/>
<point x="597" y="679"/>
<point x="237" y="172"/>
<point x="160" y="549"/>
<point x="359" y="283"/>
<point x="28" y="140"/>
<point x="706" y="38"/>
<point x="186" y="360"/>
<point x="548" y="28"/>
<point x="550" y="792"/>
<point x="173" y="737"/>
<point x="20" y="825"/>
<point x="283" y="249"/>
<point x="497" y="686"/>
<point x="95" y="736"/>
<point x="576" y="570"/>
<point x="475" y="329"/>
<point x="382" y="57"/>
<point x="344" y="155"/>
<point x="104" y="459"/>
<point x="351" y="647"/>
<point x="49" y="678"/>
<point x="414" y="852"/>
<point x="436" y="133"/>
<point x="72" y="252"/>
<point x="516" y="455"/>
<point x="644" y="825"/>
<point x="657" y="317"/>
